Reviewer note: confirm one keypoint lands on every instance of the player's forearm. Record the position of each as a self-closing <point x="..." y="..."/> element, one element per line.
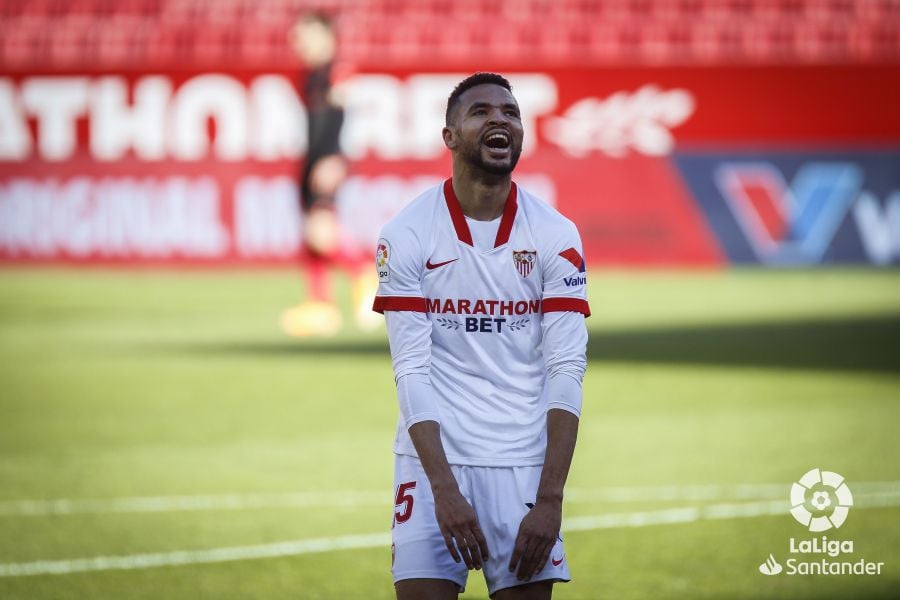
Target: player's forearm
<point x="562" y="431"/>
<point x="426" y="437"/>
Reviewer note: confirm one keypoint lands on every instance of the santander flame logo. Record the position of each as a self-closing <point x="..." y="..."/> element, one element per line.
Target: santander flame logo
<point x="771" y="566"/>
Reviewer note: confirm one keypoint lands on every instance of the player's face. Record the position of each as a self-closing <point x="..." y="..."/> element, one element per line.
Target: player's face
<point x="313" y="42"/>
<point x="489" y="129"/>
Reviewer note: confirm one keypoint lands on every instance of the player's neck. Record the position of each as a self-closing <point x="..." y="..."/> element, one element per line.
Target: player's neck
<point x="483" y="198"/>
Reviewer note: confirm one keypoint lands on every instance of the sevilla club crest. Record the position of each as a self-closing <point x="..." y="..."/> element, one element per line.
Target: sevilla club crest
<point x="524" y="260"/>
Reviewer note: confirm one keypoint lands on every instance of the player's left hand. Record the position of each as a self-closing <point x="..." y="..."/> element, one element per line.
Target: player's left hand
<point x="537" y="535"/>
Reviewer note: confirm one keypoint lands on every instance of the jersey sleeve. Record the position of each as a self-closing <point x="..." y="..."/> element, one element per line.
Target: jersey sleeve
<point x="564" y="329"/>
<point x="399" y="264"/>
<point x="565" y="357"/>
<point x="565" y="274"/>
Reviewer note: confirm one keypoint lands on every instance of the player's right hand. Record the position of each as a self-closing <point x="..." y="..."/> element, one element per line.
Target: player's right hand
<point x="459" y="525"/>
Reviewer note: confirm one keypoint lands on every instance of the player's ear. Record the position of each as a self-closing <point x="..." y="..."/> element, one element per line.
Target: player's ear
<point x="449" y="138"/>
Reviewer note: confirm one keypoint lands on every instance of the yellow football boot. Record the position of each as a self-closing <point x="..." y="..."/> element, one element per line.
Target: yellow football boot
<point x="312" y="319"/>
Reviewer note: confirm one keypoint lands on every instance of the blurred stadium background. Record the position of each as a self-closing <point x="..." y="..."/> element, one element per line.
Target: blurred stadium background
<point x="734" y="169"/>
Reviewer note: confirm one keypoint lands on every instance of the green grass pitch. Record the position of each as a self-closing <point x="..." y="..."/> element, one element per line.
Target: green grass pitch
<point x="144" y="413"/>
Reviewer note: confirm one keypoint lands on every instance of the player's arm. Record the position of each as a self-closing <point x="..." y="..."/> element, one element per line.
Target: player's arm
<point x="562" y="431"/>
<point x="565" y="343"/>
<point x="409" y="332"/>
<point x="564" y="346"/>
<point x="565" y="339"/>
<point x="455" y="516"/>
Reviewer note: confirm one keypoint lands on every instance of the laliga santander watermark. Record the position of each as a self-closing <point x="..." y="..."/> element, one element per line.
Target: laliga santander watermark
<point x="820" y="501"/>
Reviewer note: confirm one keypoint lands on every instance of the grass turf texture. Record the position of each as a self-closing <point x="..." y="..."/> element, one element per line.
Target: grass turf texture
<point x="173" y="384"/>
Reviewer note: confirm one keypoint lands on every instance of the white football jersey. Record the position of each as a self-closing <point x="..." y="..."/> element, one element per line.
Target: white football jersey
<point x="486" y="308"/>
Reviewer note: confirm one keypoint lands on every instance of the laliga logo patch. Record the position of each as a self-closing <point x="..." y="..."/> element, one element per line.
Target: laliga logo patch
<point x="524" y="261"/>
<point x="821" y="500"/>
<point x="382" y="256"/>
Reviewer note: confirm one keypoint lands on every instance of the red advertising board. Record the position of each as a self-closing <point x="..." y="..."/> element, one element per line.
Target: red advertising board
<point x="200" y="168"/>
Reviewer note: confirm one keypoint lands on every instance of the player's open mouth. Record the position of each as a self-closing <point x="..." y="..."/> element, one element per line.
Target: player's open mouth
<point x="497" y="140"/>
<point x="498" y="143"/>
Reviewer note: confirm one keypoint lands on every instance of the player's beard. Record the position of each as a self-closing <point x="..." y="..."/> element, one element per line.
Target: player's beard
<point x="471" y="153"/>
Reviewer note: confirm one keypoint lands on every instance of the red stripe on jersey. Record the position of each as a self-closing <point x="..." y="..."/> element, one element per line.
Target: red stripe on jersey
<point x="456" y="214"/>
<point x="509" y="215"/>
<point x="566" y="304"/>
<point x="459" y="218"/>
<point x="407" y="303"/>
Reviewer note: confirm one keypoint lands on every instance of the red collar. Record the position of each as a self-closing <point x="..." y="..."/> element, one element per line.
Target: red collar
<point x="459" y="219"/>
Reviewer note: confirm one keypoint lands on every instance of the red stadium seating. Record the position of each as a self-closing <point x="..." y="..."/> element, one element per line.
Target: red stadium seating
<point x="51" y="34"/>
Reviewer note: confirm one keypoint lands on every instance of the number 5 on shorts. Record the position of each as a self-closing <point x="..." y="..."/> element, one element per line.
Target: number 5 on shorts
<point x="404" y="499"/>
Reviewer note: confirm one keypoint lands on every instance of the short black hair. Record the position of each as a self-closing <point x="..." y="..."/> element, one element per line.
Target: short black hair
<point x="470" y="82"/>
<point x="317" y="17"/>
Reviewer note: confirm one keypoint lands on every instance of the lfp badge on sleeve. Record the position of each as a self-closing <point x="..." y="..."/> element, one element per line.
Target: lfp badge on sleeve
<point x="382" y="257"/>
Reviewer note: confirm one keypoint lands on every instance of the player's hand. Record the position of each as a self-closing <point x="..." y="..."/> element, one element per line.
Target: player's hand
<point x="459" y="525"/>
<point x="537" y="536"/>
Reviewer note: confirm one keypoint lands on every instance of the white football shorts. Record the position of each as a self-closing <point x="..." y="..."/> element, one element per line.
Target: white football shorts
<point x="500" y="496"/>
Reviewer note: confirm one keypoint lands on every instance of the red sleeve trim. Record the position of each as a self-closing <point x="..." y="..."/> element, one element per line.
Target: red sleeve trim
<point x="407" y="303"/>
<point x="566" y="304"/>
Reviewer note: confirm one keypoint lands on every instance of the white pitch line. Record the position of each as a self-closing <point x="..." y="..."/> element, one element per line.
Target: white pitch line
<point x="70" y="506"/>
<point x="188" y="557"/>
<point x="618" y="494"/>
<point x="688" y="514"/>
<point x="708" y="492"/>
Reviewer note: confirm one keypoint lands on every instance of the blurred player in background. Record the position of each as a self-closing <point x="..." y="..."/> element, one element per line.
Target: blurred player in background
<point x="324" y="170"/>
<point x="483" y="290"/>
